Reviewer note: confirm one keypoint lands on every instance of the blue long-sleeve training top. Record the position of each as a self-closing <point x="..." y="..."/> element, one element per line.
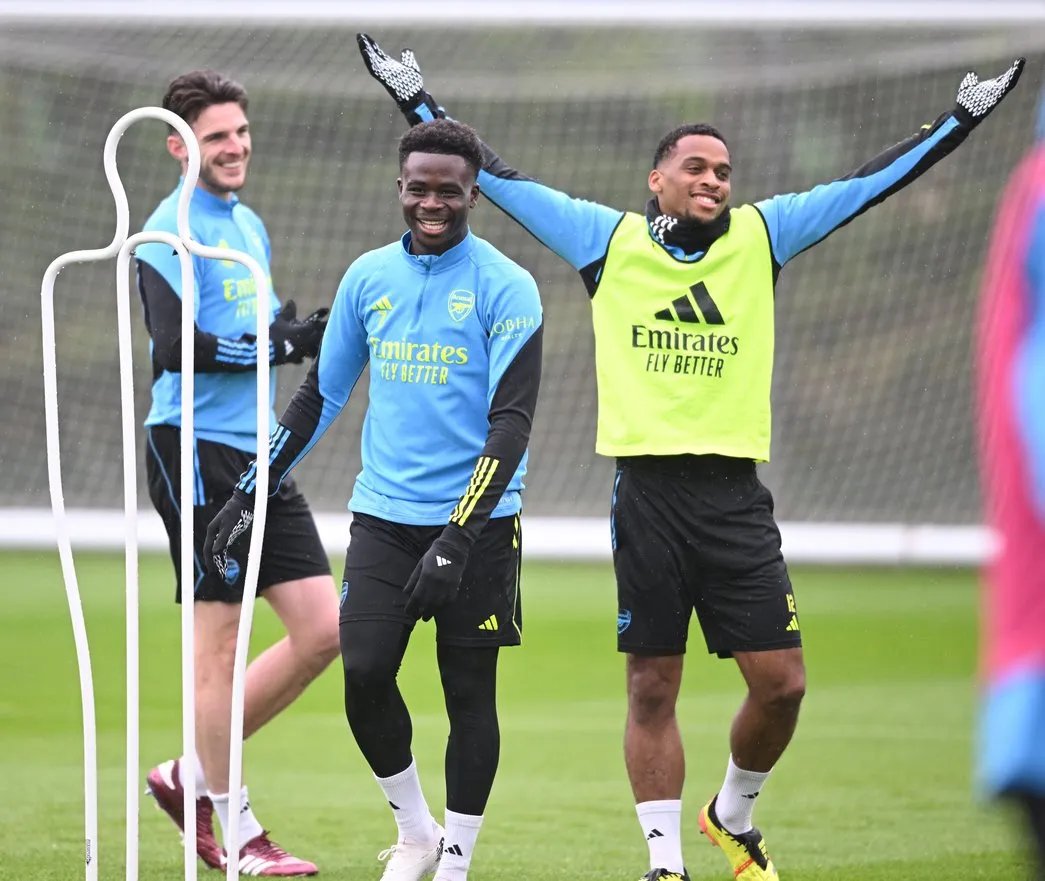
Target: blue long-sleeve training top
<point x="225" y="308"/>
<point x="454" y="347"/>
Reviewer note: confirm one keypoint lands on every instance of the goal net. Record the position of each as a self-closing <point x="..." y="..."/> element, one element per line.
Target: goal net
<point x="872" y="415"/>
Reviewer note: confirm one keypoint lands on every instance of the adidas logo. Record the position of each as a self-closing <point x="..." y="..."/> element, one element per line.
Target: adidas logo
<point x="442" y="561"/>
<point x="752" y="796"/>
<point x="455" y="849"/>
<point x="654" y="833"/>
<point x="382" y="307"/>
<point x="684" y="309"/>
<point x="793" y="625"/>
<point x="489" y="624"/>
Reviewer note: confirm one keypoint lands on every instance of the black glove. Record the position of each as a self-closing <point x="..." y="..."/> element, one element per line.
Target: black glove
<point x="293" y="341"/>
<point x="975" y="99"/>
<point x="231" y="523"/>
<point x="401" y="79"/>
<point x="437" y="577"/>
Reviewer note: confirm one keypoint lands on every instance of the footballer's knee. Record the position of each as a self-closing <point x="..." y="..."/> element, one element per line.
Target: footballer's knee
<point x="371" y="653"/>
<point x="322" y="647"/>
<point x="215" y="631"/>
<point x="782" y="691"/>
<point x="367" y="672"/>
<point x="786" y="697"/>
<point x="653" y="688"/>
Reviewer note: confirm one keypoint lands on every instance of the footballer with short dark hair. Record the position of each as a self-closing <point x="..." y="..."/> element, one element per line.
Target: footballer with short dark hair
<point x="451" y="330"/>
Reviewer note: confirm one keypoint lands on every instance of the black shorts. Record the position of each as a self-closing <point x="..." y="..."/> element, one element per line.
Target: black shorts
<point x="697" y="533"/>
<point x="382" y="555"/>
<point x="291" y="549"/>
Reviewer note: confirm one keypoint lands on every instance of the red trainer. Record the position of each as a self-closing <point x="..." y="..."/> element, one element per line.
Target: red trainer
<point x="164" y="782"/>
<point x="263" y="857"/>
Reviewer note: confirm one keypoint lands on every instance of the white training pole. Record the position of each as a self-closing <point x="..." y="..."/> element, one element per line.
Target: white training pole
<point x="250" y="586"/>
<point x="186" y="504"/>
<point x="54" y="479"/>
<point x="184" y="245"/>
<point x="131" y="493"/>
<point x="130" y="496"/>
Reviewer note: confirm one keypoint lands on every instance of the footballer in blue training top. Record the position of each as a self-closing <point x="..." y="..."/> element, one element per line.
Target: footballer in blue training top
<point x="451" y="329"/>
<point x="294" y="575"/>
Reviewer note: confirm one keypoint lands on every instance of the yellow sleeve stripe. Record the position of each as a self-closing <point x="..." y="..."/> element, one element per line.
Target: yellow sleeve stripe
<point x="482" y="476"/>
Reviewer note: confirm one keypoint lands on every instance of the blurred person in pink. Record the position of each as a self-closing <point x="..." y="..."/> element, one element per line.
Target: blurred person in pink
<point x="1011" y="399"/>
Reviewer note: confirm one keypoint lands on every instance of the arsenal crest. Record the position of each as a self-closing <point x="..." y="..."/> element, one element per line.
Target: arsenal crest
<point x="461" y="303"/>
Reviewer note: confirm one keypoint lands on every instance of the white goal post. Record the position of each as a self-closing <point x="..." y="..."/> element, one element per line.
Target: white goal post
<point x="589" y="13"/>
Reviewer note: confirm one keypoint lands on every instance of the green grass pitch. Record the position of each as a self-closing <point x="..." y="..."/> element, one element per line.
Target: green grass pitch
<point x="876" y="785"/>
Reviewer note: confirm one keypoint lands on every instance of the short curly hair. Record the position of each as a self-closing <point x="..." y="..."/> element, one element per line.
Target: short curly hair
<point x="668" y="143"/>
<point x="445" y="136"/>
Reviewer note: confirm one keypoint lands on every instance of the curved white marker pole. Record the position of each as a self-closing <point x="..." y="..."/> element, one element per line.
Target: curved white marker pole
<point x="124" y="246"/>
<point x="130" y="508"/>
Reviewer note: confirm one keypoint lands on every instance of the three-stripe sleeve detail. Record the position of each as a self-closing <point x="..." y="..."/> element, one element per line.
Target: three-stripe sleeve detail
<point x="236" y="352"/>
<point x="482" y="476"/>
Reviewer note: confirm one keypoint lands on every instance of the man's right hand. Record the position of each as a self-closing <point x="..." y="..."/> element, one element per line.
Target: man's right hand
<point x="225" y="530"/>
<point x="401" y="79"/>
<point x="293" y="341"/>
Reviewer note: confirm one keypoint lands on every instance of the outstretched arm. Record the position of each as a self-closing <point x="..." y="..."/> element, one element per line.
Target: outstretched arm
<point x="577" y="230"/>
<point x="798" y="221"/>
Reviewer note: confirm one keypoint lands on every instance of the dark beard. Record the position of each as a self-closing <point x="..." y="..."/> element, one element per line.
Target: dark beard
<point x="691" y="236"/>
<point x="218" y="189"/>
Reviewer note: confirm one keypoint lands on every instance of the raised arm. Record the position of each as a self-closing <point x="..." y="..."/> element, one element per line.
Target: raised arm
<point x="798" y="221"/>
<point x="577" y="230"/>
<point x="315" y="405"/>
<point x="517" y="330"/>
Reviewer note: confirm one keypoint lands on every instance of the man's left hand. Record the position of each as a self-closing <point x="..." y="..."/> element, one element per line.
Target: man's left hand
<point x="977" y="99"/>
<point x="436" y="579"/>
<point x="401" y="79"/>
<point x="226" y="529"/>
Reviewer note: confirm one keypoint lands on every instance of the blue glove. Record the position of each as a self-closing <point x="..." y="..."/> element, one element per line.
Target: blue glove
<point x="401" y="79"/>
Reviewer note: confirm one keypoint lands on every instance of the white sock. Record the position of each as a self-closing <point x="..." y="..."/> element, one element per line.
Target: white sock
<point x="403" y="791"/>
<point x="736" y="799"/>
<point x="661" y="827"/>
<point x="458" y="844"/>
<point x="249" y="827"/>
<point x="201" y="780"/>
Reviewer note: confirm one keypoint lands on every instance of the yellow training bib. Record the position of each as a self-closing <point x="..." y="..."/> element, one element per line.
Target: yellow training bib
<point x="684" y="351"/>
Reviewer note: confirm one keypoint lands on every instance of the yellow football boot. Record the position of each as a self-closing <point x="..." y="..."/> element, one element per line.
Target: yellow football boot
<point x="746" y="852"/>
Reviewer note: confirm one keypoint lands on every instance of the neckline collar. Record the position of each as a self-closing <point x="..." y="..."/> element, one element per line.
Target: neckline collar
<point x="437" y="262"/>
<point x="202" y="198"/>
<point x="689" y="236"/>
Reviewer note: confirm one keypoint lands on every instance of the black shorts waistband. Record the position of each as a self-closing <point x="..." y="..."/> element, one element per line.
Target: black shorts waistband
<point x="689" y="465"/>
